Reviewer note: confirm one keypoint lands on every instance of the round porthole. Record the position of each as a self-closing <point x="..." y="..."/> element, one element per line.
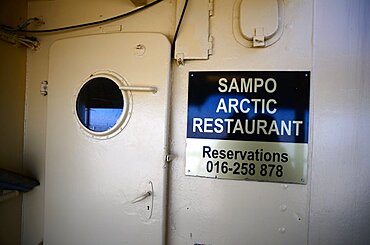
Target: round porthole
<point x="102" y="108"/>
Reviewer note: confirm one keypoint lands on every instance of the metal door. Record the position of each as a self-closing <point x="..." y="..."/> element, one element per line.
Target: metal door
<point x="107" y="187"/>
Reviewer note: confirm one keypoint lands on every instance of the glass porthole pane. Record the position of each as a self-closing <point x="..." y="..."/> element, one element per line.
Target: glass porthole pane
<point x="99" y="104"/>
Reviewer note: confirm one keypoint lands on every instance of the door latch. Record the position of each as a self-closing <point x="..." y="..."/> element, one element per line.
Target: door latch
<point x="44" y="88"/>
<point x="144" y="196"/>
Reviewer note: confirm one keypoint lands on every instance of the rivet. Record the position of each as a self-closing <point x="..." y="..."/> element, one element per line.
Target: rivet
<point x="299" y="218"/>
<point x="284" y="186"/>
<point x="283" y="207"/>
<point x="282" y="230"/>
<point x="140" y="49"/>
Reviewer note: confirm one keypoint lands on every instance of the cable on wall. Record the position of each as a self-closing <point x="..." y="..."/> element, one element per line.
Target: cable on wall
<point x="178" y="28"/>
<point x="8" y="33"/>
<point x="19" y="40"/>
<point x="21" y="27"/>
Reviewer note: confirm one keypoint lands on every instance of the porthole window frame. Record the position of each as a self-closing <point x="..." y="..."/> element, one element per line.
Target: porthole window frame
<point x="123" y="119"/>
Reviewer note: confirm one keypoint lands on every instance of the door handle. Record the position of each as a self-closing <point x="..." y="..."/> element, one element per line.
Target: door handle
<point x="142" y="197"/>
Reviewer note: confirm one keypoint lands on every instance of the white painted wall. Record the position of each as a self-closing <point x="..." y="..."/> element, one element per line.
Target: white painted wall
<point x="340" y="197"/>
<point x="210" y="211"/>
<point x="328" y="37"/>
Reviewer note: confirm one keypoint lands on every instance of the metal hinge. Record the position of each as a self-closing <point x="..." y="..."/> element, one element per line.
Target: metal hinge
<point x="210" y="45"/>
<point x="44" y="88"/>
<point x="211" y="7"/>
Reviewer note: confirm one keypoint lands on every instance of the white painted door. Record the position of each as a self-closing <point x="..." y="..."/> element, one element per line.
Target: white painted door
<point x="92" y="178"/>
